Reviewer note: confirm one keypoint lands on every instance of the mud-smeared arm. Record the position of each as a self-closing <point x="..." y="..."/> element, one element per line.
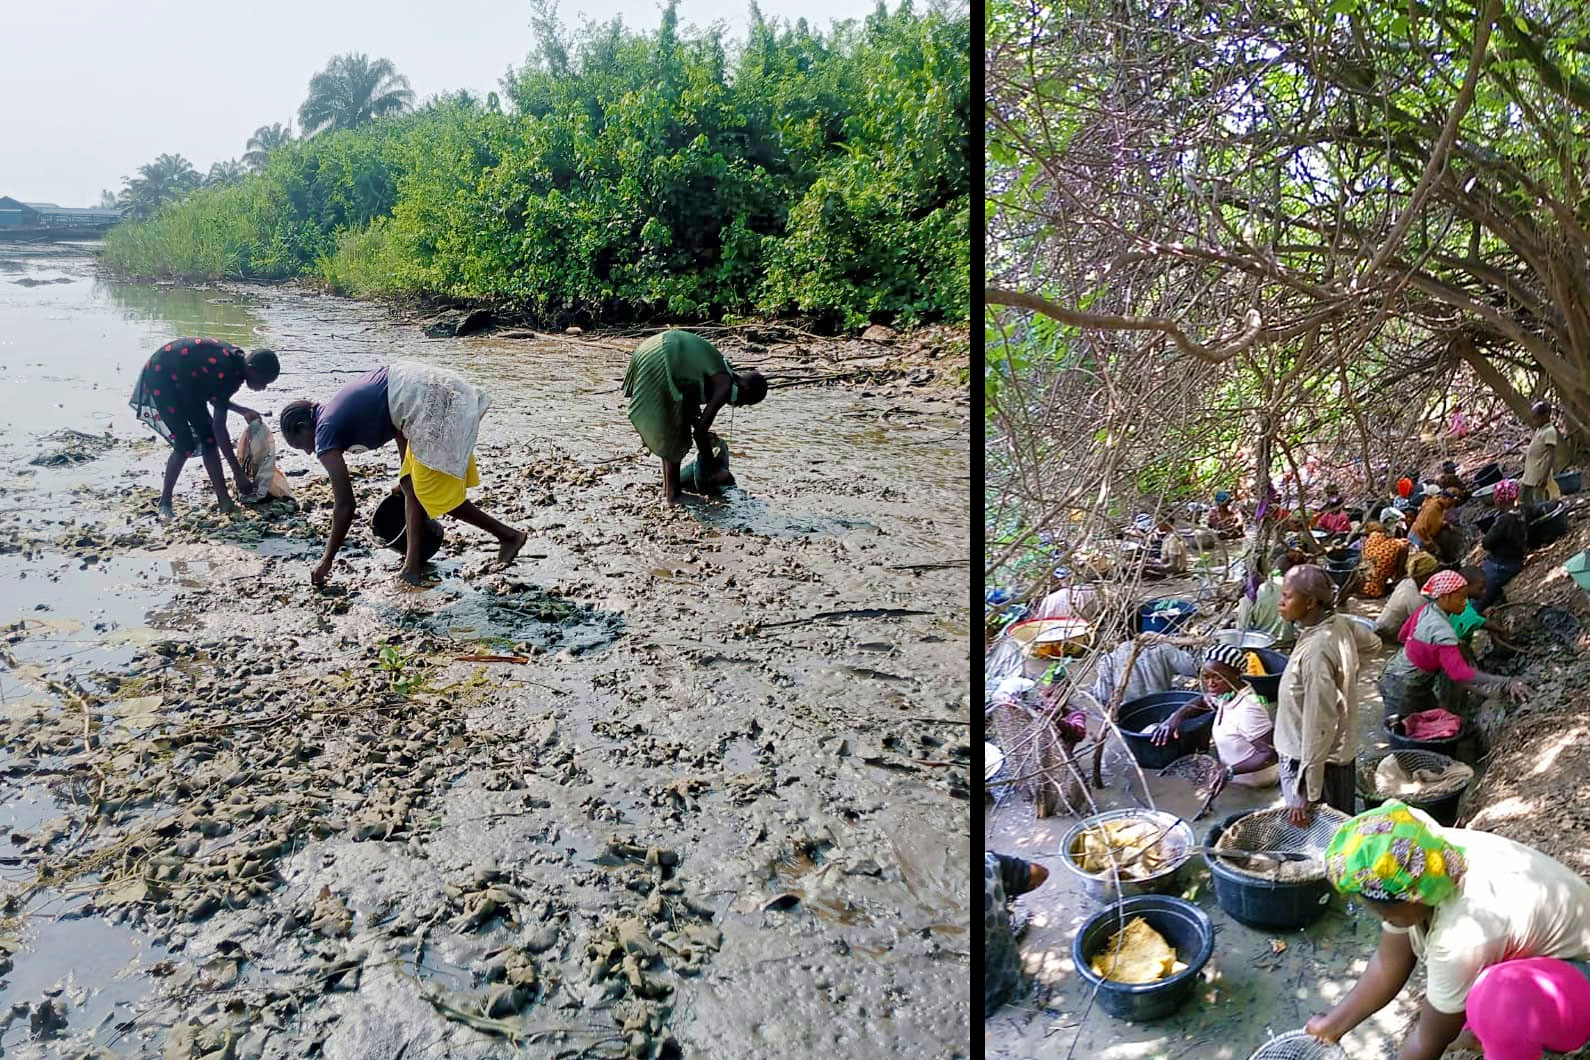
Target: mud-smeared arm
<point x="341" y="512"/>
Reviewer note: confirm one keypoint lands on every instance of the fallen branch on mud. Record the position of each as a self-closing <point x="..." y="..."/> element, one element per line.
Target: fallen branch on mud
<point x="855" y="612"/>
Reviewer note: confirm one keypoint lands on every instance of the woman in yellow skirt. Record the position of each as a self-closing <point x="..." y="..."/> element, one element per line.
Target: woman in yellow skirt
<point x="434" y="416"/>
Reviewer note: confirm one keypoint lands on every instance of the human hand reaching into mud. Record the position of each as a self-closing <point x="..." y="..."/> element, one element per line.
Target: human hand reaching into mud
<point x="318" y="576"/>
<point x="1519" y="690"/>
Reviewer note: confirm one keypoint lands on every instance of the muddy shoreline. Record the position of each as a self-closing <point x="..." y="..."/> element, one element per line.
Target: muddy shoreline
<point x="689" y="782"/>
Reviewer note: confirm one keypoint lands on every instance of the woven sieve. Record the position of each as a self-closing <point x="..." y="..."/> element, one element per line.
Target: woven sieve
<point x="1270" y="830"/>
<point x="1410" y="761"/>
<point x="1299" y="1045"/>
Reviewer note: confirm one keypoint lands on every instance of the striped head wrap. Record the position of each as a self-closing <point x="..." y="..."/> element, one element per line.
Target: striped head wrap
<point x="1227" y="655"/>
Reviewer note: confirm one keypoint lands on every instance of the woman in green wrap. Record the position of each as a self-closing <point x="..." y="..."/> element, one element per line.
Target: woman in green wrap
<point x="676" y="383"/>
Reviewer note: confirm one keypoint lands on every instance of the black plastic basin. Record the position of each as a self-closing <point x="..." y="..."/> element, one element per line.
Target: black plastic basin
<point x="1268" y="684"/>
<point x="1184" y="926"/>
<point x="390" y="528"/>
<point x="1138" y="716"/>
<point x="1462" y="746"/>
<point x="1262" y="903"/>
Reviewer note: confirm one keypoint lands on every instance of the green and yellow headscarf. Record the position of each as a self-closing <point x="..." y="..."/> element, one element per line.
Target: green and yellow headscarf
<point x="1392" y="855"/>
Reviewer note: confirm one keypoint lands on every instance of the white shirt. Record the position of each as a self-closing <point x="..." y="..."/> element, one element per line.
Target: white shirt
<point x="1514" y="901"/>
<point x="1240" y="723"/>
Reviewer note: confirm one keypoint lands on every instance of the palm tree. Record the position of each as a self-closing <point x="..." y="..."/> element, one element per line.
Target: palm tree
<point x="167" y="178"/>
<point x="266" y="139"/>
<point x="352" y="90"/>
<point x="107" y="200"/>
<point x="229" y="172"/>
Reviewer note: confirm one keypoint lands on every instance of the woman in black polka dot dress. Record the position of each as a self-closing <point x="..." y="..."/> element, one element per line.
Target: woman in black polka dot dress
<point x="174" y="388"/>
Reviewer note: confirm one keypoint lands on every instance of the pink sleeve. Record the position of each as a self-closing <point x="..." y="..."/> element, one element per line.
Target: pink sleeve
<point x="1452" y="661"/>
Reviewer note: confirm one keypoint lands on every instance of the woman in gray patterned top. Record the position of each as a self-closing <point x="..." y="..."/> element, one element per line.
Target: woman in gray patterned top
<point x="1003" y="879"/>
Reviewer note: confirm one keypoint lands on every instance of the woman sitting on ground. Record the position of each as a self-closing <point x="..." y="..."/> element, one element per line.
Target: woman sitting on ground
<point x="1334" y="518"/>
<point x="1243" y="732"/>
<point x="1468" y="904"/>
<point x="1430" y="647"/>
<point x="1506" y="543"/>
<point x="1433" y="531"/>
<point x="1405" y="598"/>
<point x="1004" y="878"/>
<point x="1167" y="555"/>
<point x="676" y="383"/>
<point x="176" y="384"/>
<point x="1225" y="520"/>
<point x="434" y="416"/>
<point x="1383" y="557"/>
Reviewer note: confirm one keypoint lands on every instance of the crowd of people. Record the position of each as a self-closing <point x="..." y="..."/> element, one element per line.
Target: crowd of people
<point x="1503" y="930"/>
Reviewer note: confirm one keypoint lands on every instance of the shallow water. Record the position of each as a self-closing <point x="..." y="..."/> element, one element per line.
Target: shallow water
<point x="763" y="643"/>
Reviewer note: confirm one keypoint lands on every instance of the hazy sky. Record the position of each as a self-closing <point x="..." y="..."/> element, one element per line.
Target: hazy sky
<point x="92" y="89"/>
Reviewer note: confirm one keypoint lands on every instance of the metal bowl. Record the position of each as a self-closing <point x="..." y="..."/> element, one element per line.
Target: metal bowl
<point x="1246" y="639"/>
<point x="1101" y="886"/>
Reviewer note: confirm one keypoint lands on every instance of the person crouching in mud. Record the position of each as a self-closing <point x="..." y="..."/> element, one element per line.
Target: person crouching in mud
<point x="434" y="416"/>
<point x="176" y="384"/>
<point x="676" y="384"/>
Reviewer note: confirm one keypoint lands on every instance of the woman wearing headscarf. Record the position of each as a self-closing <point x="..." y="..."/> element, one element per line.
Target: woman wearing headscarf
<point x="676" y="383"/>
<point x="1383" y="557"/>
<point x="1506" y="543"/>
<point x="434" y="416"/>
<point x="1405" y="598"/>
<point x="1431" y="648"/>
<point x="1464" y="902"/>
<point x="1243" y="732"/>
<point x="172" y="397"/>
<point x="1004" y="878"/>
<point x="1225" y="520"/>
<point x="1316" y="715"/>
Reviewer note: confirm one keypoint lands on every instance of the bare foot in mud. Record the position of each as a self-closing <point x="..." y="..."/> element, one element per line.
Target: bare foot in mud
<point x="165" y="513"/>
<point x="510" y="549"/>
<point x="411" y="579"/>
<point x="228" y="508"/>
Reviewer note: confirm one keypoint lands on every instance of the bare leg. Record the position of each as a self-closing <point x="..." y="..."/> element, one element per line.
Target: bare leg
<point x="413" y="525"/>
<point x="212" y="464"/>
<point x="671" y="481"/>
<point x="173" y="469"/>
<point x="512" y="540"/>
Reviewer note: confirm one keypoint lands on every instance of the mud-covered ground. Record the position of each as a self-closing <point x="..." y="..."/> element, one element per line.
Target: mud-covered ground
<point x="686" y="782"/>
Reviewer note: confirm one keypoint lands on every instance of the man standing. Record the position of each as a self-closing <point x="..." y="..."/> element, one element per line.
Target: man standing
<point x="1540" y="460"/>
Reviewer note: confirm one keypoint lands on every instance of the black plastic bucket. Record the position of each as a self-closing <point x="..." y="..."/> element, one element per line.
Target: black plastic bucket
<point x="1268" y="684"/>
<point x="1184" y="926"/>
<point x="1136" y="717"/>
<point x="389" y="526"/>
<point x="1462" y="746"/>
<point x="1488" y="475"/>
<point x="1261" y="903"/>
<point x="1551" y="524"/>
<point x="1570" y="481"/>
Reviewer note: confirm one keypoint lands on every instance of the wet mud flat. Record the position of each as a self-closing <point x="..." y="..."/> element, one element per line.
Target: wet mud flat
<point x="685" y="782"/>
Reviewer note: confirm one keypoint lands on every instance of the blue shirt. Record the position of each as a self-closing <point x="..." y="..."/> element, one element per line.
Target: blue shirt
<point x="356" y="418"/>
